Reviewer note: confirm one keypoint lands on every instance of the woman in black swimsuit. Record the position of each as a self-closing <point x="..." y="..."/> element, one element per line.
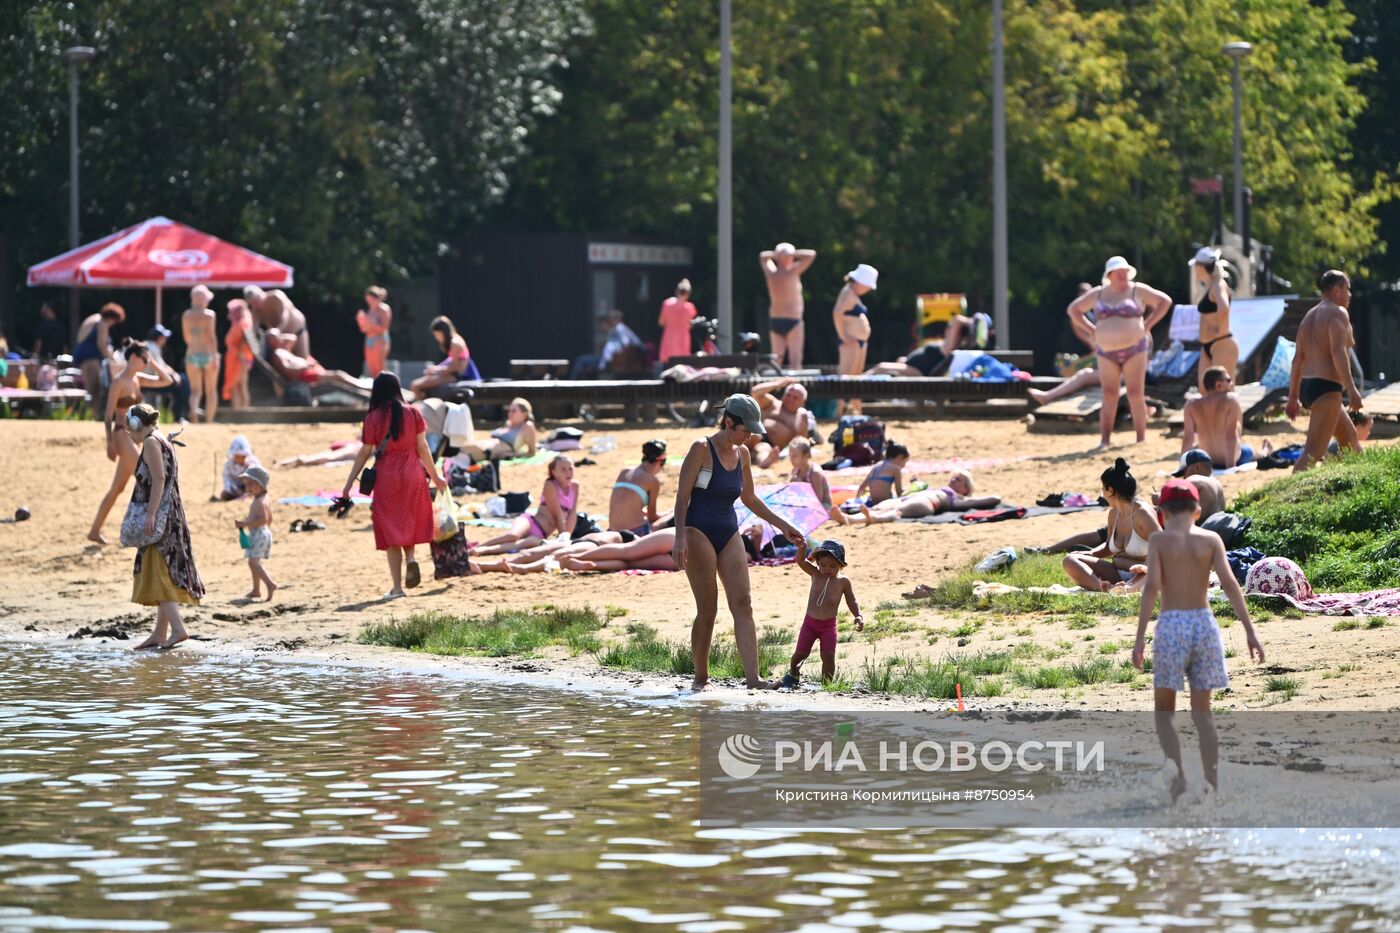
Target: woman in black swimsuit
<point x="1218" y="346"/>
<point x="714" y="474"/>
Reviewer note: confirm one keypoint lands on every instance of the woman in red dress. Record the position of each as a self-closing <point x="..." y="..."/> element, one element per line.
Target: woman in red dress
<point x="402" y="511"/>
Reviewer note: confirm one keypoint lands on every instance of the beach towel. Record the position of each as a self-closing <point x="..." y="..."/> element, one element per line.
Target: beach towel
<point x="1371" y="603"/>
<point x="919" y="467"/>
<point x="323" y="499"/>
<point x="1035" y="511"/>
<point x="984" y="516"/>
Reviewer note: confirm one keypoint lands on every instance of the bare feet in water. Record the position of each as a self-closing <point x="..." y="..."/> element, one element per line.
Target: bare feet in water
<point x="151" y="642"/>
<point x="174" y="639"/>
<point x="1178" y="786"/>
<point x="700" y="686"/>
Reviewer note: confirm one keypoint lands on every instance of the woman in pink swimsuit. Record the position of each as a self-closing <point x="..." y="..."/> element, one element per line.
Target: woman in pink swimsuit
<point x="557" y="512"/>
<point x="1125" y="312"/>
<point x="450" y="370"/>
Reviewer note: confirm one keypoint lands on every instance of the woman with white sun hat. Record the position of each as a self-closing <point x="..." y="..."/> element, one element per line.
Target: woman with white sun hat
<point x="1125" y="311"/>
<point x="852" y="322"/>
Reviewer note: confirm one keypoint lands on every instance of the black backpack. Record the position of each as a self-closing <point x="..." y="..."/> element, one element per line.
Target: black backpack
<point x="1229" y="526"/>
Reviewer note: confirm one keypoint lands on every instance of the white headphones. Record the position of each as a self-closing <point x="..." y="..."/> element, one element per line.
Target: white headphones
<point x="133" y="421"/>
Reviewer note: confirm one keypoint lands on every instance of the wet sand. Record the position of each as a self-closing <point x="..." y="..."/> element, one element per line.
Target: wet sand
<point x="62" y="587"/>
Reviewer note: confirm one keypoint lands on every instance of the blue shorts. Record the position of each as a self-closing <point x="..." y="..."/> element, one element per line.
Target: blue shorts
<point x="1246" y="455"/>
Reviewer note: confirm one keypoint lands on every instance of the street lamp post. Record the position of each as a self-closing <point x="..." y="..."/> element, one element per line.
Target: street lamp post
<point x="1237" y="51"/>
<point x="75" y="57"/>
<point x="724" y="301"/>
<point x="1001" y="287"/>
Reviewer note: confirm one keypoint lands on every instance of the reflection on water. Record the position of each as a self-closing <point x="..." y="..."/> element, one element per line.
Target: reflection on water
<point x="174" y="793"/>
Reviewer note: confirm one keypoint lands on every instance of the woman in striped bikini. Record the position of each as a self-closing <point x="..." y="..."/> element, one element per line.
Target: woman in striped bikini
<point x="1125" y="311"/>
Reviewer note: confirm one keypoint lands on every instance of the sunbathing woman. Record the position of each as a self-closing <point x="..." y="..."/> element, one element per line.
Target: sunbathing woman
<point x="632" y="504"/>
<point x="1131" y="521"/>
<point x="648" y="552"/>
<point x="955" y="497"/>
<point x="124" y="392"/>
<point x="557" y="512"/>
<point x="338" y="452"/>
<point x="516" y="438"/>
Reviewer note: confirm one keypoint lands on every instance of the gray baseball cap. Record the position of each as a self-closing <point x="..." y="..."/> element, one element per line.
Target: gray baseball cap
<point x="744" y="408"/>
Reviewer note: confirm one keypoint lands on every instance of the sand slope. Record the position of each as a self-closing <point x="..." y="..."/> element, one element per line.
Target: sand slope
<point x="58" y="585"/>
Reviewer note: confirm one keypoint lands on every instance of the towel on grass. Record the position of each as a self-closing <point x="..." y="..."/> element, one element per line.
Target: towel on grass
<point x="1372" y="603"/>
<point x="1000" y="513"/>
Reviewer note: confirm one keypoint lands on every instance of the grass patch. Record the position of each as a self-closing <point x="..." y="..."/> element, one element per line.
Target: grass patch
<point x="505" y="633"/>
<point x="887" y="623"/>
<point x="1340" y="521"/>
<point x="1288" y="686"/>
<point x="644" y="651"/>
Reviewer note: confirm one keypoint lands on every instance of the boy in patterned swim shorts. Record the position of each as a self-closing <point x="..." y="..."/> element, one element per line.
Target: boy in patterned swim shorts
<point x="1186" y="642"/>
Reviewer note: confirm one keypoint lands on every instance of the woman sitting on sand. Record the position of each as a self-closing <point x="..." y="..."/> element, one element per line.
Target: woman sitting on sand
<point x="122" y="394"/>
<point x="556" y="513"/>
<point x="516" y="438"/>
<point x="632" y="504"/>
<point x="1131" y="522"/>
<point x="954" y="497"/>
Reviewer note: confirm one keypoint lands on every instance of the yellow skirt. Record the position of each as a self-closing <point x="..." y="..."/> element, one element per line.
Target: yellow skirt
<point x="153" y="586"/>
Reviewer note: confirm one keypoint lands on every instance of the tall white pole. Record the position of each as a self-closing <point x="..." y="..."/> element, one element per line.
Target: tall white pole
<point x="1239" y="155"/>
<point x="74" y="57"/>
<point x="724" y="310"/>
<point x="1001" y="312"/>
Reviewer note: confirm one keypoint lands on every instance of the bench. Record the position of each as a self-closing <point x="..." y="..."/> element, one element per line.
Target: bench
<point x="41" y="404"/>
<point x="633" y="394"/>
<point x="744" y="362"/>
<point x="539" y="369"/>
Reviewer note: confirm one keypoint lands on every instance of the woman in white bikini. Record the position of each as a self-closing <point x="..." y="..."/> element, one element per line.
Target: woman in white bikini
<point x="1131" y="521"/>
<point x="1125" y="312"/>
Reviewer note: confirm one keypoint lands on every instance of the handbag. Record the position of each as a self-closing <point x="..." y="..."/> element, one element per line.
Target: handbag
<point x="133" y="532"/>
<point x="367" y="474"/>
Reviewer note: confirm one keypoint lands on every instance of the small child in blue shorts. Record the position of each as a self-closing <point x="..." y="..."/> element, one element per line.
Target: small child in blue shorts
<point x="1186" y="643"/>
<point x="823" y="599"/>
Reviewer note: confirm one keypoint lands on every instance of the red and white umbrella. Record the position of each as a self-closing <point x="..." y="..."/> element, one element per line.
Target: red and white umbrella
<point x="160" y="253"/>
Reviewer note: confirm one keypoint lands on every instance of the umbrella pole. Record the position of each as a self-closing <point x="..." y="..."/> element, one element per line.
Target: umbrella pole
<point x="158" y="291"/>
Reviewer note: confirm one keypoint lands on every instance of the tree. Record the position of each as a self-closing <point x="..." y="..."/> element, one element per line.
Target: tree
<point x="863" y="129"/>
<point x="347" y="139"/>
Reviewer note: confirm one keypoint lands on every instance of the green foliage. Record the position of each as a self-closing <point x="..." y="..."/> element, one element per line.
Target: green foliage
<point x="505" y="633"/>
<point x="862" y="129"/>
<point x="1339" y="521"/>
<point x="345" y="138"/>
<point x="645" y="651"/>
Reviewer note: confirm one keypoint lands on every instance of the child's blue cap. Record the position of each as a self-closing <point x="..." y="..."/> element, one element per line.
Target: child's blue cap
<point x="835" y="548"/>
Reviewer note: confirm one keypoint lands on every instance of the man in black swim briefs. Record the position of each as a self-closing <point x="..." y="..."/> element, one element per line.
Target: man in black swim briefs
<point x="1322" y="371"/>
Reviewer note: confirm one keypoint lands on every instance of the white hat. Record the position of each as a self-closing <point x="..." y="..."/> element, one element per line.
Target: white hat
<point x="785" y="249"/>
<point x="866" y="275"/>
<point x="1205" y="255"/>
<point x="1118" y="262"/>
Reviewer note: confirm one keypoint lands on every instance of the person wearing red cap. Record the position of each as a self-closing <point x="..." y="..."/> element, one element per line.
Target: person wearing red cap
<point x="1186" y="643"/>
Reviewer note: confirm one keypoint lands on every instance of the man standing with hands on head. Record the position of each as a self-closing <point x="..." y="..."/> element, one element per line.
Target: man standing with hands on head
<point x="783" y="266"/>
<point x="1322" y="371"/>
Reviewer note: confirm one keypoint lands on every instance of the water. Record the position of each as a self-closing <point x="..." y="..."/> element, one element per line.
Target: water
<point x="179" y="793"/>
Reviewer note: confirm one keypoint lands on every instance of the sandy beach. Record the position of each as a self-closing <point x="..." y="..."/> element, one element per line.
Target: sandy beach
<point x="60" y="586"/>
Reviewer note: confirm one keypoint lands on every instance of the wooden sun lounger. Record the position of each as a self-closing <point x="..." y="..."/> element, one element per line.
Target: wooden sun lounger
<point x="1256" y="399"/>
<point x="1384" y="403"/>
<point x="1082" y="408"/>
<point x="632" y="394"/>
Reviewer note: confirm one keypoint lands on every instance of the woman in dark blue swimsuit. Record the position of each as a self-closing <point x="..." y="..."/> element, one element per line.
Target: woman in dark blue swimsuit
<point x="714" y="475"/>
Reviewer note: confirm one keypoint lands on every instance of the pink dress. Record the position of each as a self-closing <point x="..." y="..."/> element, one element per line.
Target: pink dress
<point x="676" y="316"/>
<point x="402" y="512"/>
